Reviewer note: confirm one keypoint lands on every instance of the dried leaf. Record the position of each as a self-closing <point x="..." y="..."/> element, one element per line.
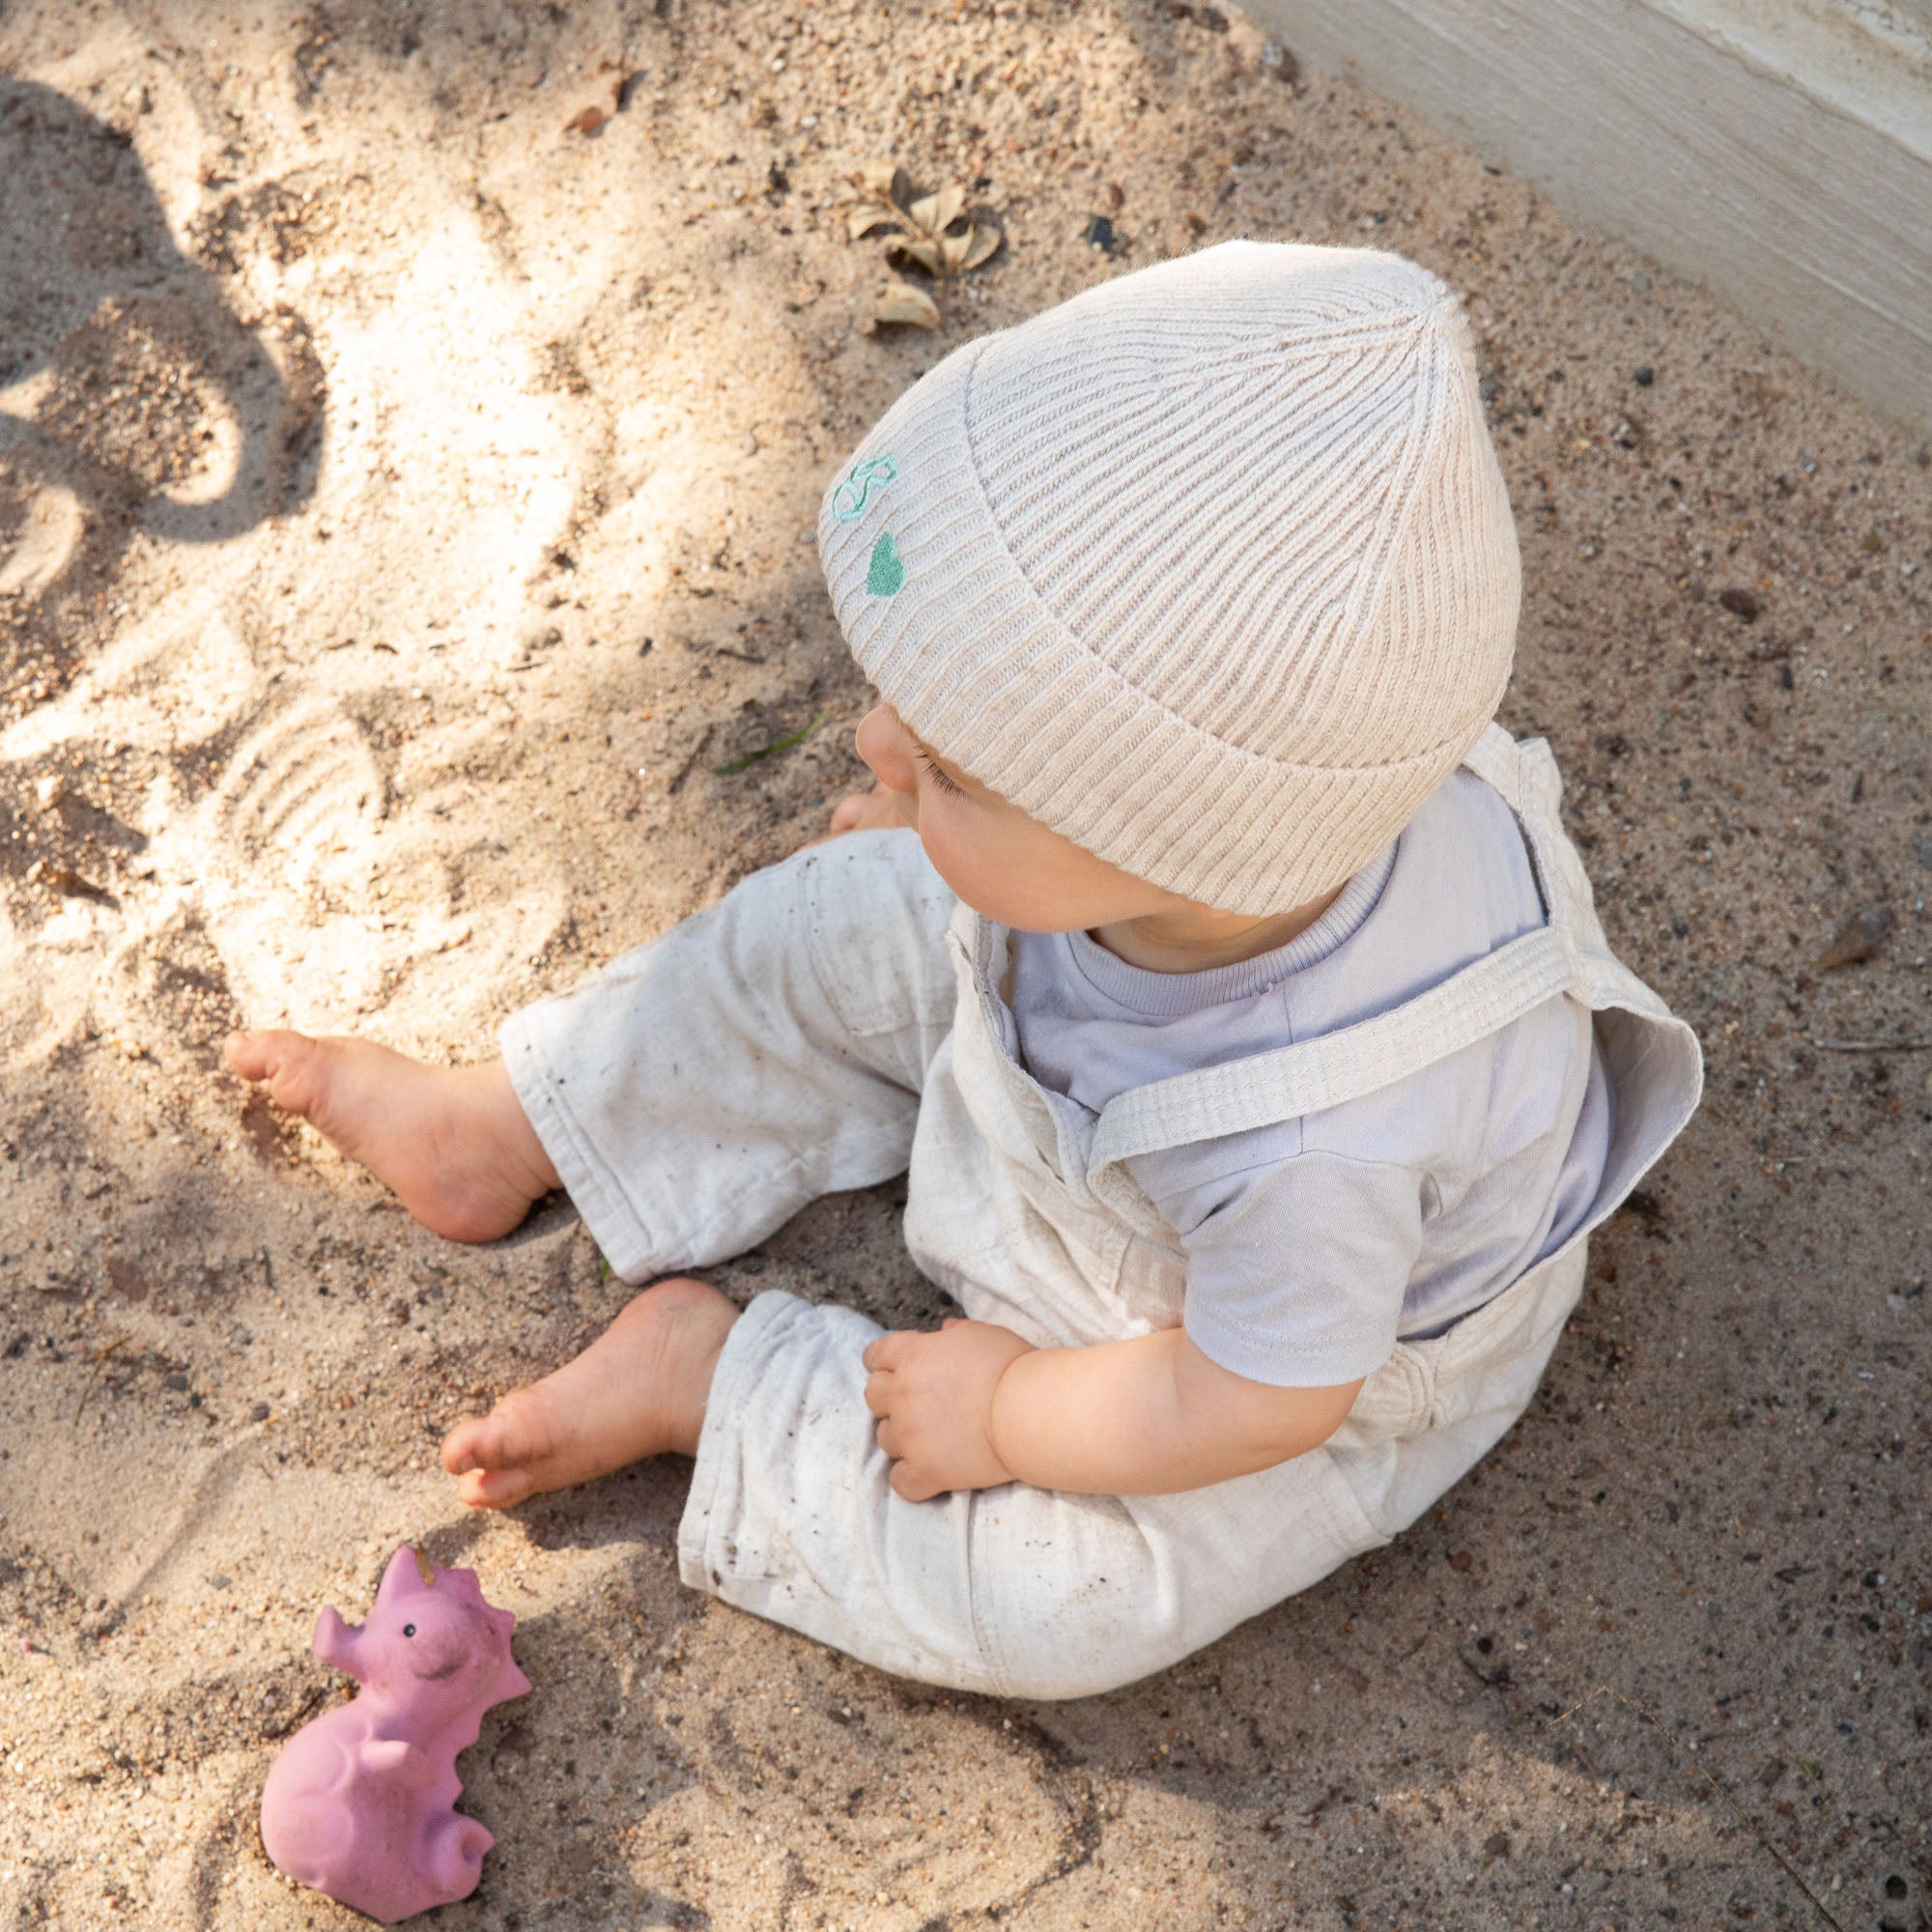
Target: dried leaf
<point x="936" y="213"/>
<point x="953" y="251"/>
<point x="867" y="216"/>
<point x="1857" y="939"/>
<point x="982" y="245"/>
<point x="900" y="301"/>
<point x="876" y="178"/>
<point x="70" y="885"/>
<point x="926" y="253"/>
<point x="586" y="120"/>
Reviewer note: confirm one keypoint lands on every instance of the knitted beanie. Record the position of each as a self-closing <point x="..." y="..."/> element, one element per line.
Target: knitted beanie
<point x="1210" y="569"/>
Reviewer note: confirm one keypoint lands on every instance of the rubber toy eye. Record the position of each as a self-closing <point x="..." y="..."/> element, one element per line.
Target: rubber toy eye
<point x="408" y="1629"/>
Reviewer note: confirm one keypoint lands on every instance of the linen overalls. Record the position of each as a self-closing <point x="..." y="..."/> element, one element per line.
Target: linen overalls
<point x="833" y="1019"/>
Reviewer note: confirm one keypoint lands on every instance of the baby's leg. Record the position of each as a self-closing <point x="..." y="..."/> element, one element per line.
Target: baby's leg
<point x="703" y="1088"/>
<point x="1013" y="1591"/>
<point x="639" y="1390"/>
<point x="452" y="1141"/>
<point x="691" y="1096"/>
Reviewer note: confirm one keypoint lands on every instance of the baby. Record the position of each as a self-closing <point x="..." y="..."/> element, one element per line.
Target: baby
<point x="1219" y="971"/>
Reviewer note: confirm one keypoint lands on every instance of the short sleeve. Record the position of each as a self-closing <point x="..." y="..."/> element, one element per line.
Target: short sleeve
<point x="1296" y="1267"/>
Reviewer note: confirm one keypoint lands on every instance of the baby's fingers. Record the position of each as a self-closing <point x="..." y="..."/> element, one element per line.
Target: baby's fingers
<point x="914" y="1489"/>
<point x="888" y="1350"/>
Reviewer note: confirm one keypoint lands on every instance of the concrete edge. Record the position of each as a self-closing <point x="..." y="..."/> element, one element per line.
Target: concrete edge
<point x="1790" y="171"/>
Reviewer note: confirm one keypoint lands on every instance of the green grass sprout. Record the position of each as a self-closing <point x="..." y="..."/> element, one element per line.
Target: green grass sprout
<point x="773" y="750"/>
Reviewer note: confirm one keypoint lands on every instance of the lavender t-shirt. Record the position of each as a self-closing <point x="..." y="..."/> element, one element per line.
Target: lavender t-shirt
<point x="1313" y="1244"/>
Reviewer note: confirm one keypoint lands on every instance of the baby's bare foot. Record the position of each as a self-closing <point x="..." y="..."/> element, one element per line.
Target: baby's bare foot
<point x="452" y="1141"/>
<point x="638" y="1390"/>
<point x="875" y="810"/>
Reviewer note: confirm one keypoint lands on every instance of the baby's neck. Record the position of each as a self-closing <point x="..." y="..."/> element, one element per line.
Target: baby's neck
<point x="1196" y="938"/>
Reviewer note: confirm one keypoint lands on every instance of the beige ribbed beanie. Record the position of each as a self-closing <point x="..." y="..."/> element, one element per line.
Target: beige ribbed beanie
<point x="1210" y="568"/>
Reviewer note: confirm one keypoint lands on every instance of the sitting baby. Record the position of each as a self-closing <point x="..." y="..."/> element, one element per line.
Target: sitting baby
<point x="1220" y="973"/>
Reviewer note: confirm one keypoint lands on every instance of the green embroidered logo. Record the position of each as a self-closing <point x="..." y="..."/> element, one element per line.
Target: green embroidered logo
<point x="888" y="571"/>
<point x="867" y="479"/>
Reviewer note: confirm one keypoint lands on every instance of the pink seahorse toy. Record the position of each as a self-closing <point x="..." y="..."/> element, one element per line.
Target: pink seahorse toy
<point x="360" y="1804"/>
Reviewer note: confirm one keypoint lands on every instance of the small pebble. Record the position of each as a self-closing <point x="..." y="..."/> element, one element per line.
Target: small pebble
<point x="219" y="1582"/>
<point x="177" y="1380"/>
<point x="1643" y="378"/>
<point x="258" y="1411"/>
<point x="1100" y="235"/>
<point x="1278" y="61"/>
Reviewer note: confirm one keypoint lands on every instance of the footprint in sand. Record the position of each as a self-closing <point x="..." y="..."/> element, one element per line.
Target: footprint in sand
<point x="302" y="800"/>
<point x="294" y="862"/>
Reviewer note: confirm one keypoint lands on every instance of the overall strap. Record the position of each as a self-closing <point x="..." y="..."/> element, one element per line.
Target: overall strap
<point x="1496" y="759"/>
<point x="1332" y="1068"/>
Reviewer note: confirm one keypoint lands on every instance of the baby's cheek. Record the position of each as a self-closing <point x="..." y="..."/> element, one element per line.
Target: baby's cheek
<point x="979" y="866"/>
<point x="953" y="856"/>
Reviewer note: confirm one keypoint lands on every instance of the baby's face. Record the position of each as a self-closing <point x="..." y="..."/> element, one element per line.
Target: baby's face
<point x="999" y="861"/>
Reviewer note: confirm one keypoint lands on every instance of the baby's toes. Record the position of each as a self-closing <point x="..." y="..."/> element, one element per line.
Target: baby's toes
<point x="290" y="1062"/>
<point x="247" y="1054"/>
<point x="486" y="1458"/>
<point x="496" y="1488"/>
<point x="463" y="1447"/>
<point x="518" y="1432"/>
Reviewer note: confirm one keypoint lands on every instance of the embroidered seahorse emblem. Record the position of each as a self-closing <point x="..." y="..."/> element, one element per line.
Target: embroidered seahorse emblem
<point x="866" y="480"/>
<point x="887" y="568"/>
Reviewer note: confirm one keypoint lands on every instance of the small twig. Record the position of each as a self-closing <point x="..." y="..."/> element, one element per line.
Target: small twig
<point x="94" y="1380"/>
<point x="1631" y="557"/>
<point x="1716" y="1784"/>
<point x="696" y="752"/>
<point x="772" y="750"/>
<point x="1321" y="1804"/>
<point x="1873" y="1045"/>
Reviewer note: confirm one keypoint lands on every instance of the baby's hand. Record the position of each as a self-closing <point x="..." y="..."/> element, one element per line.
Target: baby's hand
<point x="933" y="1395"/>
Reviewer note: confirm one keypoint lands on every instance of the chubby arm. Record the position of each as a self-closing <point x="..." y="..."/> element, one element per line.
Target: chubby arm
<point x="974" y="1404"/>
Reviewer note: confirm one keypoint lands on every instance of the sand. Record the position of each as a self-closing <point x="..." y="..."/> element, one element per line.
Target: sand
<point x="404" y="503"/>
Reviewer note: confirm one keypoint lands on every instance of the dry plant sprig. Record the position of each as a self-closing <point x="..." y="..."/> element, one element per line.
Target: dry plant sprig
<point x="932" y="230"/>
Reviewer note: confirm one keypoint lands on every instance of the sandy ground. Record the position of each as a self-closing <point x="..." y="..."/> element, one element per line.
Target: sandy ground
<point x="404" y="506"/>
